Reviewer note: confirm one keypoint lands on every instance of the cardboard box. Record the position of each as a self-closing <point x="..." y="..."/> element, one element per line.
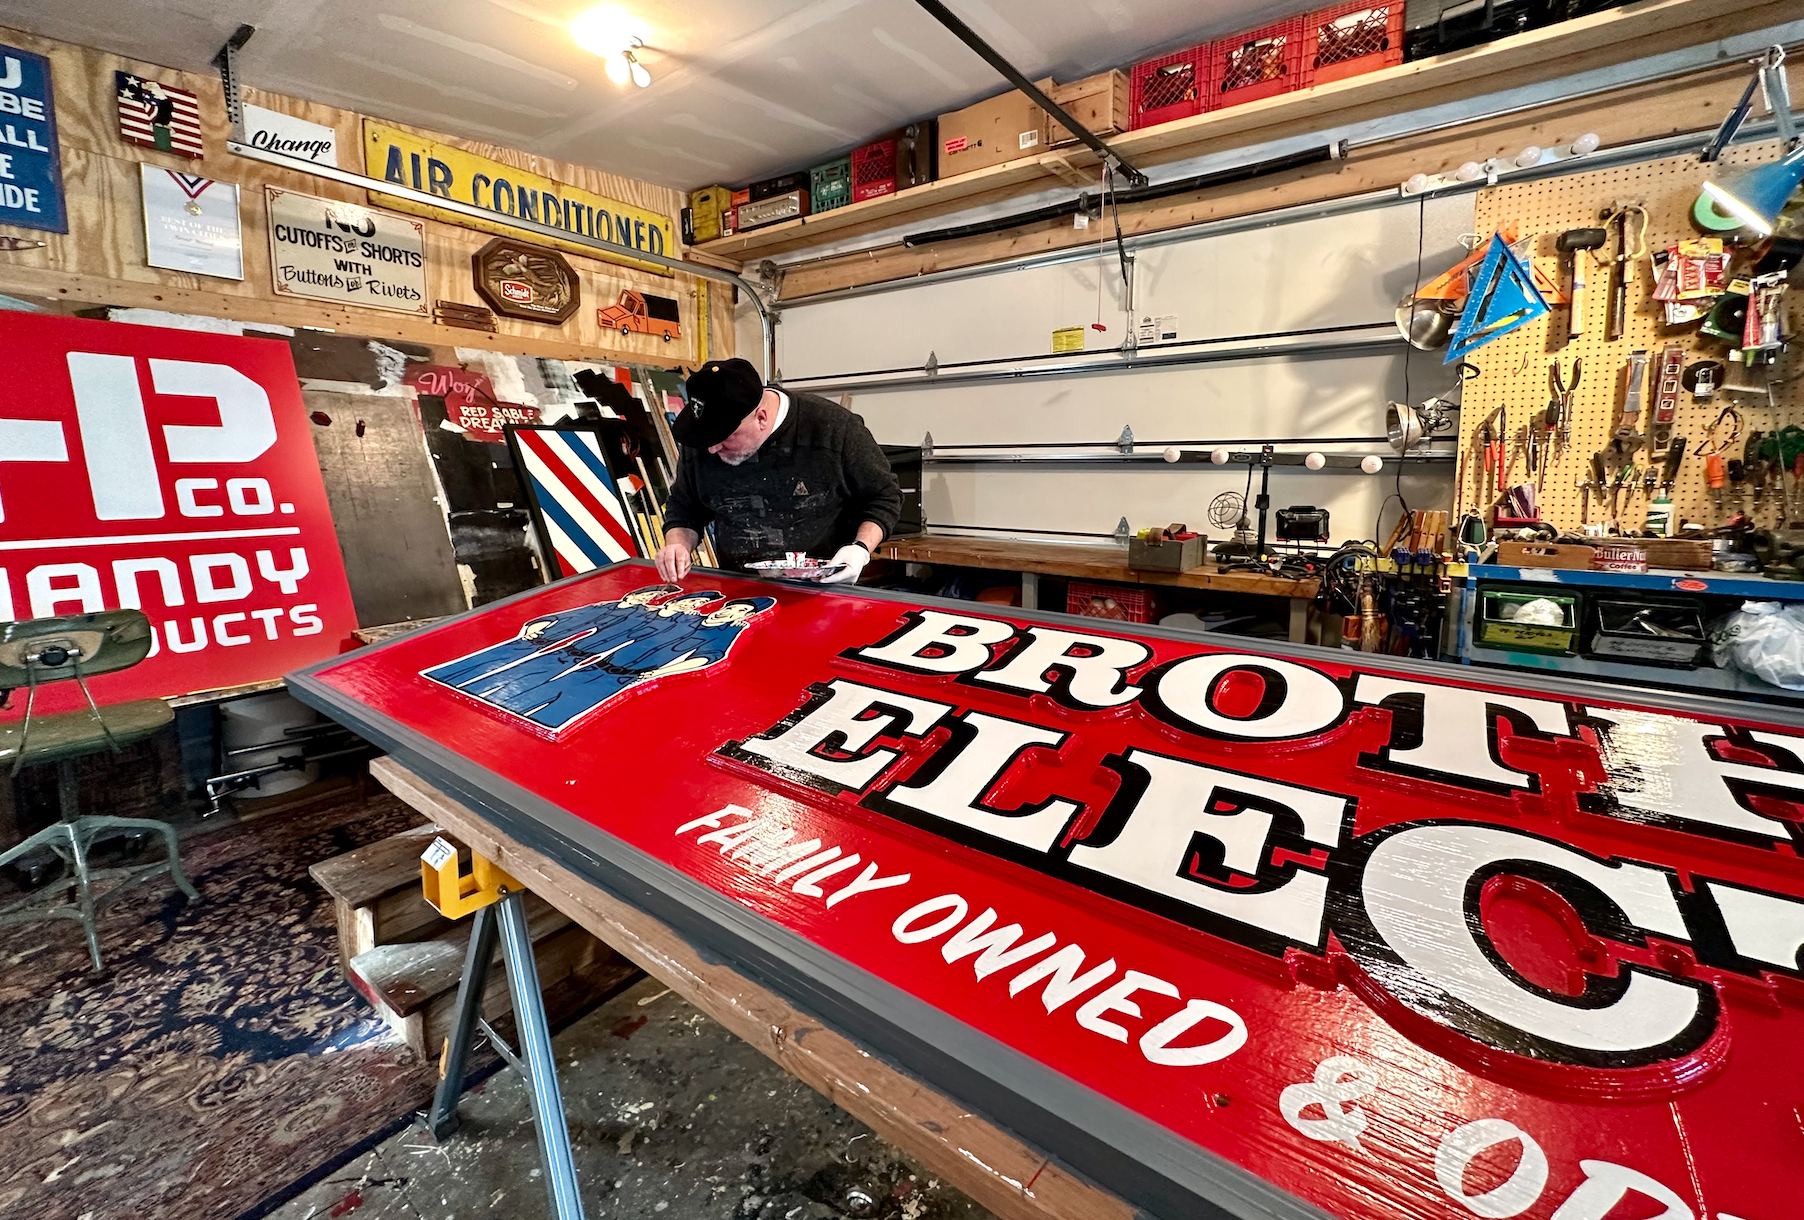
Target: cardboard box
<point x="1099" y="102"/>
<point x="1003" y="128"/>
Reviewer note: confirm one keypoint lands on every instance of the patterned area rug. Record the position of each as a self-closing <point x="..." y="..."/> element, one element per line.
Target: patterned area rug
<point x="222" y="1059"/>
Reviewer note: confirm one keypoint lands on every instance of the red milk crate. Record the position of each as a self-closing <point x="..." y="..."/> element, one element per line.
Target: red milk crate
<point x="1168" y="87"/>
<point x="874" y="170"/>
<point x="1259" y="63"/>
<point x="1123" y="603"/>
<point x="1351" y="39"/>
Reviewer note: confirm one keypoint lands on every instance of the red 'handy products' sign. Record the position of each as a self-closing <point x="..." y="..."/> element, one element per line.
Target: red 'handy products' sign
<point x="172" y="471"/>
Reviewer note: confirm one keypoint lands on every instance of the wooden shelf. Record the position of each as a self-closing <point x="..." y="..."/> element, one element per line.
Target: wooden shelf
<point x="1635" y="31"/>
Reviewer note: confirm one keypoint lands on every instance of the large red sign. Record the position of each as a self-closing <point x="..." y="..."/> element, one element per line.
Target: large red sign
<point x="172" y="471"/>
<point x="1402" y="940"/>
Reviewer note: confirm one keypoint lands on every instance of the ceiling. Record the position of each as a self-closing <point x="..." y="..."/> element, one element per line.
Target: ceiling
<point x="741" y="89"/>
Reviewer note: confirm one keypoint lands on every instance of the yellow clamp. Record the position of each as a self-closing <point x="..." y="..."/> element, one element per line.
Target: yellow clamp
<point x="453" y="895"/>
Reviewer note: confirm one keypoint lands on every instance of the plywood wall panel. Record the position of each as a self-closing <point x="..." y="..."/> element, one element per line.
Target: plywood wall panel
<point x="101" y="261"/>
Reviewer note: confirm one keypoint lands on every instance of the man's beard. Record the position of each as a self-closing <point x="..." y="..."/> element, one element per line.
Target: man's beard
<point x="734" y="459"/>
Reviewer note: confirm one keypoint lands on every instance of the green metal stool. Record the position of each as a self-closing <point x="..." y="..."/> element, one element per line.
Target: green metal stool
<point x="39" y="651"/>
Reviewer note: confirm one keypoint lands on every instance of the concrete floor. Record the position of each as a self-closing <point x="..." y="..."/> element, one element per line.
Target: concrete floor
<point x="671" y="1117"/>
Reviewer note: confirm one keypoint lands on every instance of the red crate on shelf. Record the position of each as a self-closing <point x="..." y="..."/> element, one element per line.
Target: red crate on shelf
<point x="874" y="170"/>
<point x="1167" y="87"/>
<point x="1123" y="603"/>
<point x="1259" y="63"/>
<point x="1351" y="39"/>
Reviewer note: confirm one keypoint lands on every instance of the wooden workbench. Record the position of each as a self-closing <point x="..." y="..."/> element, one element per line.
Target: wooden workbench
<point x="990" y="1165"/>
<point x="1085" y="561"/>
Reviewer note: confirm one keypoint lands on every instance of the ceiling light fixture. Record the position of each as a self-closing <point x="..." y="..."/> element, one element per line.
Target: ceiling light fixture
<point x="615" y="35"/>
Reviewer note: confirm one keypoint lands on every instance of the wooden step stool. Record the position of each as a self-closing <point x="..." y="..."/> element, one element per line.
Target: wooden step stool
<point x="376" y="892"/>
<point x="407" y="960"/>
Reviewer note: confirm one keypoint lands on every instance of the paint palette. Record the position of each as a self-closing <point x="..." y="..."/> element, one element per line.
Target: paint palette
<point x="796" y="565"/>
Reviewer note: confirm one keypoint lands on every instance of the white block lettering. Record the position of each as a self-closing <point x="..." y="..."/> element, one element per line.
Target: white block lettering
<point x="1762" y="927"/>
<point x="1416" y="889"/>
<point x="1094" y="677"/>
<point x="1298" y="701"/>
<point x="32" y="440"/>
<point x="125" y="579"/>
<point x="115" y="438"/>
<point x="207" y="587"/>
<point x="1459" y="731"/>
<point x="967" y="772"/>
<point x="246" y="429"/>
<point x="940" y="643"/>
<point x="1662" y="765"/>
<point x="831" y="742"/>
<point x="47" y="598"/>
<point x="1182" y="800"/>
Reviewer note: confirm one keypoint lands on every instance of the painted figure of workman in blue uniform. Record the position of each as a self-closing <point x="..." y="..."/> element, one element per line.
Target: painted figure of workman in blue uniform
<point x="682" y="644"/>
<point x="513" y="687"/>
<point x="614" y="622"/>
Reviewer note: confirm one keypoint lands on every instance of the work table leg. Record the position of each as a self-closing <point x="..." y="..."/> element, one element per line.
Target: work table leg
<point x="1299" y="620"/>
<point x="1030" y="590"/>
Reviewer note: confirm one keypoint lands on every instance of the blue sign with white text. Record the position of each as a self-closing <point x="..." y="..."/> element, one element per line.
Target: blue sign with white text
<point x="31" y="172"/>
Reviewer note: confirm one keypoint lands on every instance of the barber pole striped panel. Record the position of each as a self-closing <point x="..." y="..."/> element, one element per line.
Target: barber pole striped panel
<point x="580" y="508"/>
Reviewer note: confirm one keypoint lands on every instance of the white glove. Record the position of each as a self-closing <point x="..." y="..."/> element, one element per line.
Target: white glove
<point x="854" y="557"/>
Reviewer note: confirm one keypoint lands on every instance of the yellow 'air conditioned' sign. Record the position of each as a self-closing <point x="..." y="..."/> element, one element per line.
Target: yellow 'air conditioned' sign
<point x="425" y="165"/>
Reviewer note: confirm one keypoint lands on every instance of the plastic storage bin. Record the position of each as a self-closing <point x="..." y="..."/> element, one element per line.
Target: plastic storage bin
<point x="1123" y="603"/>
<point x="874" y="170"/>
<point x="1647" y="632"/>
<point x="1498" y="627"/>
<point x="1351" y="39"/>
<point x="830" y="185"/>
<point x="1257" y="64"/>
<point x="1167" y="87"/>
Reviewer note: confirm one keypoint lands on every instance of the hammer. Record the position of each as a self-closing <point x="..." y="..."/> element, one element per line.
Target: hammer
<point x="1573" y="243"/>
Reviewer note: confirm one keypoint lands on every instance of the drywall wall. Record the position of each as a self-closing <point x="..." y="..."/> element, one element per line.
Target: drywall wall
<point x="1316" y="274"/>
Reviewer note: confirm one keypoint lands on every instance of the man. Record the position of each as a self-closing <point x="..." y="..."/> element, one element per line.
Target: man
<point x="774" y="473"/>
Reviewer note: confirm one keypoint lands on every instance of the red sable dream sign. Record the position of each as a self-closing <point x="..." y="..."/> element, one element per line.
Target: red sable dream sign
<point x="1236" y="931"/>
<point x="171" y="471"/>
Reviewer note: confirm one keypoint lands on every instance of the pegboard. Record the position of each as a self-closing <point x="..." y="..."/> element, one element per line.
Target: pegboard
<point x="1515" y="367"/>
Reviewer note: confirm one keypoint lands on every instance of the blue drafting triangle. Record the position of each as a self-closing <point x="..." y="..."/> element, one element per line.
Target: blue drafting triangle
<point x="1503" y="297"/>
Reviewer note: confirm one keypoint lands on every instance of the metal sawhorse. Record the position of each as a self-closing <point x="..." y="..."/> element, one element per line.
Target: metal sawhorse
<point x="499" y="905"/>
